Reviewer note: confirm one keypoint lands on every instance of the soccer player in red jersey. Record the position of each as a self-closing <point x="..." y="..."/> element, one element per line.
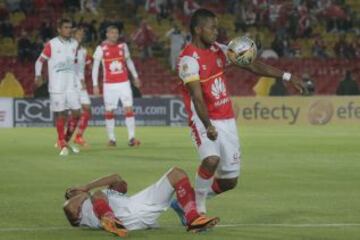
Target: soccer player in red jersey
<point x="60" y="52"/>
<point x="116" y="61"/>
<point x="208" y="104"/>
<point x="114" y="211"/>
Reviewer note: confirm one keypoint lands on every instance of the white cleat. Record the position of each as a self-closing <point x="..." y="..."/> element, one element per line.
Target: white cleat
<point x="64" y="152"/>
<point x="74" y="149"/>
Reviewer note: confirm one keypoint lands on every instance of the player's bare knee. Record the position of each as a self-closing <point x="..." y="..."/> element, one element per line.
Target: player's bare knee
<point x="179" y="172"/>
<point x="211" y="163"/>
<point x="175" y="175"/>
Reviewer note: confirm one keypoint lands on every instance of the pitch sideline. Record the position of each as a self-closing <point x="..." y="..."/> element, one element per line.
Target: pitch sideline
<point x="255" y="225"/>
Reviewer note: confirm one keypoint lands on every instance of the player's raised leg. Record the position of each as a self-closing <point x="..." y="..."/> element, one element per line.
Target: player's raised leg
<point x="106" y="215"/>
<point x="185" y="195"/>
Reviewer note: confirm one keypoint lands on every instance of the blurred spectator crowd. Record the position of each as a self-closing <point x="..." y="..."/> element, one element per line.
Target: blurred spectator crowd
<point x="298" y="29"/>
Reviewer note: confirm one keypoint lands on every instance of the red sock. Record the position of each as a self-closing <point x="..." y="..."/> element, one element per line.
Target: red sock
<point x="83" y="123"/>
<point x="101" y="207"/>
<point x="71" y="126"/>
<point x="60" y="128"/>
<point x="186" y="196"/>
<point x="216" y="187"/>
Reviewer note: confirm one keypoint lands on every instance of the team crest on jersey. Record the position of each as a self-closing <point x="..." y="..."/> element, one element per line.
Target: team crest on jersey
<point x="107" y="54"/>
<point x="204" y="67"/>
<point x="195" y="55"/>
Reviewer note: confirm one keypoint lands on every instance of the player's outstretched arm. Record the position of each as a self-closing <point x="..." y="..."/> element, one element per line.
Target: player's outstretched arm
<point x="195" y="91"/>
<point x="107" y="181"/>
<point x="113" y="181"/>
<point x="263" y="69"/>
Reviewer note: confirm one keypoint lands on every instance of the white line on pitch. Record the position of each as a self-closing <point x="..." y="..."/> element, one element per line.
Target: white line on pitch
<point x="285" y="225"/>
<point x="260" y="225"/>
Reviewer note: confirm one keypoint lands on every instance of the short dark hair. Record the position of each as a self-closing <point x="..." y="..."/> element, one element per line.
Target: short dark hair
<point x="199" y="16"/>
<point x="63" y="21"/>
<point x="111" y="27"/>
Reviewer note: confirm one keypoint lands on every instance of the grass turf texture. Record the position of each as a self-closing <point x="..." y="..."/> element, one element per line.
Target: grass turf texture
<point x="292" y="180"/>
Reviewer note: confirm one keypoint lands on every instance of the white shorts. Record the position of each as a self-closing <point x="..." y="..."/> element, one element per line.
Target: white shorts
<point x="140" y="211"/>
<point x="113" y="92"/>
<point x="226" y="146"/>
<point x="62" y="101"/>
<point x="84" y="97"/>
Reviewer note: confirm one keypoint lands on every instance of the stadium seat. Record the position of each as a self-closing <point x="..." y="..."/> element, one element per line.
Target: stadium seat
<point x="10" y="86"/>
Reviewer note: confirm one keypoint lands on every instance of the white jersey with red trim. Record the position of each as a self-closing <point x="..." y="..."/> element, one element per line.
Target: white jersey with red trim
<point x="60" y="54"/>
<point x="206" y="66"/>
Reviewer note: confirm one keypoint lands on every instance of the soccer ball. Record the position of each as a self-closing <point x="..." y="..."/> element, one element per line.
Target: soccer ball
<point x="242" y="51"/>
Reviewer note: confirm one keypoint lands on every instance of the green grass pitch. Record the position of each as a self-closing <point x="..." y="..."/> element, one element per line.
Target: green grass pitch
<point x="296" y="182"/>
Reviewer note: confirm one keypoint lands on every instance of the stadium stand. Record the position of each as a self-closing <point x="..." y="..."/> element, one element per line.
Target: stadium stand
<point x="155" y="71"/>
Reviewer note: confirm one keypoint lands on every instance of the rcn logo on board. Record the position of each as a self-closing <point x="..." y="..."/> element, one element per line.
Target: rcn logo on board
<point x="177" y="111"/>
<point x="33" y="111"/>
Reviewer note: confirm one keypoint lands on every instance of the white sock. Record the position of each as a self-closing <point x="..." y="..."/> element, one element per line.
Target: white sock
<point x="110" y="126"/>
<point x="130" y="124"/>
<point x="210" y="192"/>
<point x="202" y="187"/>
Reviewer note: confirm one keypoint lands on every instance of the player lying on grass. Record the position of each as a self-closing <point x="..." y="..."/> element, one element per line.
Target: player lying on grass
<point x="114" y="211"/>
